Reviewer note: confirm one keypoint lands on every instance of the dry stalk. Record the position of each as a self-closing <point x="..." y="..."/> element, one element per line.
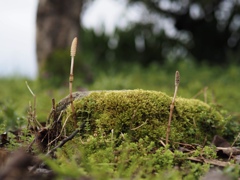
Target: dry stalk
<point x="34" y="119"/>
<point x="202" y="91"/>
<point x="64" y="141"/>
<point x="60" y="132"/>
<point x="71" y="77"/>
<point x="235" y="140"/>
<point x="164" y="145"/>
<point x="177" y="81"/>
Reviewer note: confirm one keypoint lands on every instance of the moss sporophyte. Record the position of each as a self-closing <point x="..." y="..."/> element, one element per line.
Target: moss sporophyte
<point x="140" y="113"/>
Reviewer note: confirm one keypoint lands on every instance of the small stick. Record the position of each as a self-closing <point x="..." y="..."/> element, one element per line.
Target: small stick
<point x="112" y="133"/>
<point x="30" y="146"/>
<point x="72" y="54"/>
<point x="204" y="91"/>
<point x="211" y="161"/>
<point x="177" y="81"/>
<point x="64" y="141"/>
<point x="140" y="125"/>
<point x="233" y="145"/>
<point x="235" y="140"/>
<point x="54" y="108"/>
<point x="164" y="145"/>
<point x="60" y="132"/>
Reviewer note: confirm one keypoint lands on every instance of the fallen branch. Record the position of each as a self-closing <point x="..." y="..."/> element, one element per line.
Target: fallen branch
<point x="210" y="161"/>
<point x="229" y="150"/>
<point x="64" y="141"/>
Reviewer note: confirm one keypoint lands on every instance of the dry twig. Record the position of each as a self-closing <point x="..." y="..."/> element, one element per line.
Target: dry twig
<point x="210" y="161"/>
<point x="233" y="150"/>
<point x="140" y="125"/>
<point x="204" y="91"/>
<point x="229" y="151"/>
<point x="64" y="141"/>
<point x="59" y="133"/>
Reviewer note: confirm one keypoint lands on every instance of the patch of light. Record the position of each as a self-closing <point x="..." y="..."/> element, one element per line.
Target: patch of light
<point x="103" y="15"/>
<point x="17" y="34"/>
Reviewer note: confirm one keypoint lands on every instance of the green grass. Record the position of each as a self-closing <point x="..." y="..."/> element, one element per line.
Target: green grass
<point x="223" y="85"/>
<point x="14" y="92"/>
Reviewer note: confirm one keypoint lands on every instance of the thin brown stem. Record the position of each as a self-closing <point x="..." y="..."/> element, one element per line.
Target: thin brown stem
<point x="177" y="81"/>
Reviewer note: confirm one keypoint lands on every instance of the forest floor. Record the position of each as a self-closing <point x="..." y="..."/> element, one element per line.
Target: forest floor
<point x="22" y="156"/>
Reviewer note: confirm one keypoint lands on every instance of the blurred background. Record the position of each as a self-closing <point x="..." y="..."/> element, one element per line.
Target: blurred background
<point x="123" y="44"/>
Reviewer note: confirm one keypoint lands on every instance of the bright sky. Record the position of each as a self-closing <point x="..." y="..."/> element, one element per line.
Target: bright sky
<point x="17" y="35"/>
<point x="110" y="14"/>
<point x="17" y="31"/>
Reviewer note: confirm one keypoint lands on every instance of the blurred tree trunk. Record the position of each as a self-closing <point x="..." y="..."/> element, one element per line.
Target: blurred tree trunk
<point x="58" y="22"/>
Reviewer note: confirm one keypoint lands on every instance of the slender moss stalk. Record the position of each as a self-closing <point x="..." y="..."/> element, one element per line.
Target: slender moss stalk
<point x="177" y="81"/>
<point x="71" y="77"/>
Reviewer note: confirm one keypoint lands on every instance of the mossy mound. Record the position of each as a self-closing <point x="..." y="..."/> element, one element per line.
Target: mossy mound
<point x="141" y="113"/>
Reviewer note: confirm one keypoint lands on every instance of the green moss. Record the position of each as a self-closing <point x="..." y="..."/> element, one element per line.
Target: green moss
<point x="98" y="157"/>
<point x="141" y="113"/>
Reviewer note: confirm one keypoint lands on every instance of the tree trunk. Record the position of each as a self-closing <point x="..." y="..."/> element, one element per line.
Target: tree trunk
<point x="58" y="22"/>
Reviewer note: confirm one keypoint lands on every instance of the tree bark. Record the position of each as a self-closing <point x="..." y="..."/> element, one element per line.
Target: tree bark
<point x="58" y="22"/>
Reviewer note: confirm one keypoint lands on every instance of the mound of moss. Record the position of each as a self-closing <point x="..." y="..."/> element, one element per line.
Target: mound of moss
<point x="141" y="113"/>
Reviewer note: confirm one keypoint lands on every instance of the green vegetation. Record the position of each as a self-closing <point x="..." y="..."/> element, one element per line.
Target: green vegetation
<point x="100" y="158"/>
<point x="141" y="113"/>
<point x="114" y="153"/>
<point x="222" y="85"/>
